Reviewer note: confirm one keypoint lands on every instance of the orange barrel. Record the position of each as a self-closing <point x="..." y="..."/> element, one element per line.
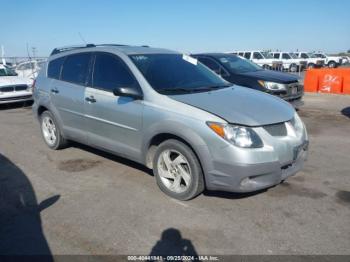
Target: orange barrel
<point x="311" y="80"/>
<point x="330" y="81"/>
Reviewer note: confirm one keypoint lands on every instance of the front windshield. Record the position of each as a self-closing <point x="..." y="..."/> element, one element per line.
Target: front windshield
<point x="176" y="73"/>
<point x="5" y="71"/>
<point x="236" y="64"/>
<point x="267" y="55"/>
<point x="312" y="55"/>
<point x="293" y="55"/>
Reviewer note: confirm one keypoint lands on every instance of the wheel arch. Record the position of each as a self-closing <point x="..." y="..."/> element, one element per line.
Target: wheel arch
<point x="157" y="139"/>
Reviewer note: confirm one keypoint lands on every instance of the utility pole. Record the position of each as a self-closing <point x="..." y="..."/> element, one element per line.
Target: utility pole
<point x="34" y="51"/>
<point x="3" y="55"/>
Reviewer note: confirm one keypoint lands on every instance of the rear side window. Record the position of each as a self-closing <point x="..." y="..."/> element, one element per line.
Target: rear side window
<point x="110" y="72"/>
<point x="54" y="70"/>
<point x="210" y="63"/>
<point x="277" y="55"/>
<point x="247" y="55"/>
<point x="303" y="55"/>
<point x="285" y="56"/>
<point x="75" y="68"/>
<point x="257" y="55"/>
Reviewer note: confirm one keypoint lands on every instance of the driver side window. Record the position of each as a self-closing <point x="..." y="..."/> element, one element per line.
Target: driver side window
<point x="110" y="72"/>
<point x="213" y="65"/>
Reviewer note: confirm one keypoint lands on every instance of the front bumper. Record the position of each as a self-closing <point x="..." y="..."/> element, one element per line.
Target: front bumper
<point x="254" y="177"/>
<point x="15" y="99"/>
<point x="233" y="169"/>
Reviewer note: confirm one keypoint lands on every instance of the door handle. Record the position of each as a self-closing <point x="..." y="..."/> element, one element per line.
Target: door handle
<point x="90" y="99"/>
<point x="54" y="91"/>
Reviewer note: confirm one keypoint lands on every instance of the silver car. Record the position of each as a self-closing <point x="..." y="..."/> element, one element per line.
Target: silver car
<point x="171" y="113"/>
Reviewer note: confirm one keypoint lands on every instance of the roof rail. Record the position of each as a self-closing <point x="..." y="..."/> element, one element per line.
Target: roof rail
<point x="68" y="48"/>
<point x="73" y="47"/>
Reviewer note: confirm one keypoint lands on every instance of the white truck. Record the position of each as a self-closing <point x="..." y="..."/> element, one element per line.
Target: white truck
<point x="330" y="61"/>
<point x="312" y="60"/>
<point x="262" y="58"/>
<point x="290" y="62"/>
<point x="29" y="69"/>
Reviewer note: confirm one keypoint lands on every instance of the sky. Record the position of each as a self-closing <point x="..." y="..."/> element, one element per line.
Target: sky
<point x="183" y="25"/>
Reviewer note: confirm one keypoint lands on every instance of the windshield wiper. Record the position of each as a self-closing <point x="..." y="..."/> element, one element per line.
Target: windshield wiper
<point x="192" y="90"/>
<point x="214" y="87"/>
<point x="175" y="90"/>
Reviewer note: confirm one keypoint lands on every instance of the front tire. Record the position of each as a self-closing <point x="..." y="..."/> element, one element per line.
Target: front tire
<point x="51" y="132"/>
<point x="332" y="64"/>
<point x="177" y="170"/>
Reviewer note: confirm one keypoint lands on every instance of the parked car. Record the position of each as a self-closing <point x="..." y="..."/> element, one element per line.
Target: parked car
<point x="290" y="62"/>
<point x="29" y="69"/>
<point x="330" y="61"/>
<point x="171" y="113"/>
<point x="345" y="60"/>
<point x="13" y="88"/>
<point x="243" y="72"/>
<point x="8" y="64"/>
<point x="312" y="60"/>
<point x="263" y="59"/>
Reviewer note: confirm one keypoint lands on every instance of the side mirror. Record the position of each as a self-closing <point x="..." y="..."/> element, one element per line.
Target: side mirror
<point x="128" y="92"/>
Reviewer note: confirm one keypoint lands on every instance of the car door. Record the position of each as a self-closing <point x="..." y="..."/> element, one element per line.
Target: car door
<point x="68" y="93"/>
<point x="113" y="122"/>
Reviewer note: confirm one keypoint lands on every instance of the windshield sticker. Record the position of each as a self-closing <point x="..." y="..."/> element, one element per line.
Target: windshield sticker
<point x="189" y="59"/>
<point x="140" y="57"/>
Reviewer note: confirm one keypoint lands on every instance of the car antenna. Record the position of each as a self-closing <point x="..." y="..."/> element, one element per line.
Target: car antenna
<point x="82" y="38"/>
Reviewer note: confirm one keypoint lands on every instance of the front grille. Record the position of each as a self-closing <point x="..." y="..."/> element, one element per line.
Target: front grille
<point x="276" y="129"/>
<point x="21" y="87"/>
<point x="7" y="89"/>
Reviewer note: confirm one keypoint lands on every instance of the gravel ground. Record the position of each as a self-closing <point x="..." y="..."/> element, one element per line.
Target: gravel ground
<point x="83" y="201"/>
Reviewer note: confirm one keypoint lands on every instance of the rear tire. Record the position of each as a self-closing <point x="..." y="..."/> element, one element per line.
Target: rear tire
<point x="177" y="170"/>
<point x="293" y="68"/>
<point x="51" y="131"/>
<point x="311" y="65"/>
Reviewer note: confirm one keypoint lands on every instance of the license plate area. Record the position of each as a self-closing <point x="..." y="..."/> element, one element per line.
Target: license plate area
<point x="294" y="90"/>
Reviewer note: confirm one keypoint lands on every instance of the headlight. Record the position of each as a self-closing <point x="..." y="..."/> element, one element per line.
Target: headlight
<point x="298" y="124"/>
<point x="272" y="85"/>
<point x="240" y="136"/>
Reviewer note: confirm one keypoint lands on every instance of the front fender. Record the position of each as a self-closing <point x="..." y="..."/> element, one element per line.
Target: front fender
<point x="183" y="131"/>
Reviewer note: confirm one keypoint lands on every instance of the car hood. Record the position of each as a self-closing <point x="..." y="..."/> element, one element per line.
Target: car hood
<point x="240" y="105"/>
<point x="14" y="80"/>
<point x="274" y="76"/>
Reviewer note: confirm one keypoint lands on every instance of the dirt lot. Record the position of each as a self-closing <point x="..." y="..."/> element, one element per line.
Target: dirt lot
<point x="83" y="201"/>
